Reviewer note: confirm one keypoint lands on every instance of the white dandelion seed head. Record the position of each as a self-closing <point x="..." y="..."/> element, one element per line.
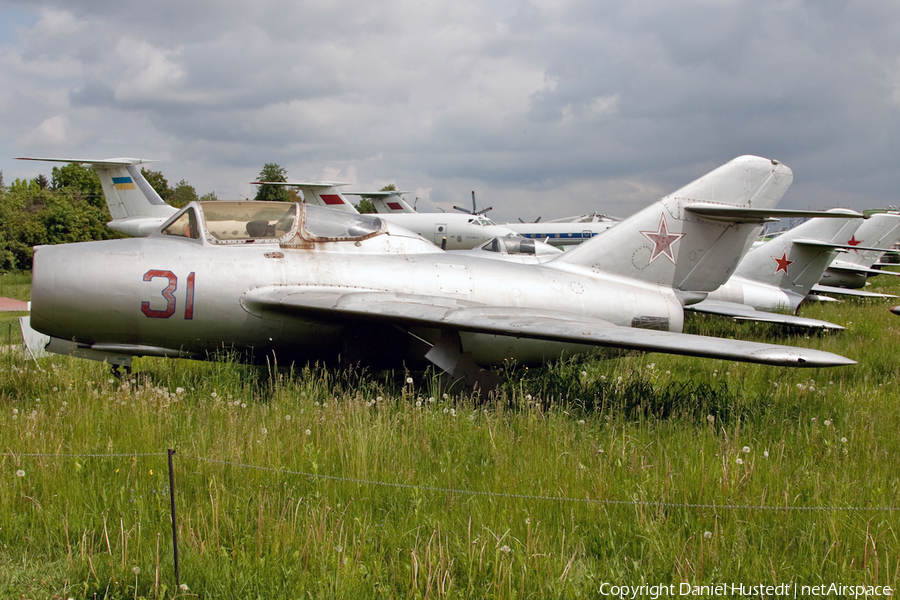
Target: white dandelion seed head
<point x="214" y="395"/>
<point x="827" y="422"/>
<point x="584" y="373"/>
<point x="740" y="461"/>
<point x="528" y="520"/>
<point x="263" y="431"/>
<point x="746" y="449"/>
<point x="15" y="411"/>
<point x="843" y="440"/>
<point x="243" y="405"/>
<point x="505" y="549"/>
<point x="136" y="570"/>
<point x="711" y="419"/>
<point x="308" y="432"/>
<point x="581" y="422"/>
<point x="378" y="398"/>
<point x="445" y="396"/>
<point x="287" y="417"/>
<point x="418" y="403"/>
<point x="707" y="534"/>
<point x="184" y="587"/>
<point x="20" y="473"/>
<point x="409" y="380"/>
<point x="765" y="454"/>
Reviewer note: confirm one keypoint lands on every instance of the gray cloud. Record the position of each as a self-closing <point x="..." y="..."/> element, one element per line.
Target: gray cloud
<point x="544" y="108"/>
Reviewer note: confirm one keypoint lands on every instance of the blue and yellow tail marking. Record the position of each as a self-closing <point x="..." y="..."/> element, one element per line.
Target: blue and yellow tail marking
<point x="123" y="183"/>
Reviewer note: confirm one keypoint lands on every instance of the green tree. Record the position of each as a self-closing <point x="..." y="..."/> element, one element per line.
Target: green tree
<point x="364" y="206"/>
<point x="158" y="183"/>
<point x="273" y="172"/>
<point x="81" y="181"/>
<point x="209" y="197"/>
<point x="182" y="194"/>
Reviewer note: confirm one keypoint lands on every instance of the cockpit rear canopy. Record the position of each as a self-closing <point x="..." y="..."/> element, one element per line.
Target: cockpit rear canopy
<point x="278" y="222"/>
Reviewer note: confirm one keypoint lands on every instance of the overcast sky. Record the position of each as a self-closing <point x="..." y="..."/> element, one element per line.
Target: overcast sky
<point x="544" y="108"/>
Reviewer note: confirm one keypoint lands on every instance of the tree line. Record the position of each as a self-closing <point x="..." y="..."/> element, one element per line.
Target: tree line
<point x="70" y="207"/>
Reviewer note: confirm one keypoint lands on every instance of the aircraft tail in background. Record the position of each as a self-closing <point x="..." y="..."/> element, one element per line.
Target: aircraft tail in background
<point x="389" y="202"/>
<point x="134" y="205"/>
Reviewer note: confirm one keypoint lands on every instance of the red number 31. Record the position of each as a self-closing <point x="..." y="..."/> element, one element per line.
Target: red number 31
<point x="169" y="294"/>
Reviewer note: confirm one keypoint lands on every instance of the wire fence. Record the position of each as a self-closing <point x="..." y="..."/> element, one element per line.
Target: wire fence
<point x="449" y="490"/>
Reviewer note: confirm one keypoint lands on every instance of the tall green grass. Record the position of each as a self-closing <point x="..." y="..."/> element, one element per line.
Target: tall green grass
<point x="312" y="482"/>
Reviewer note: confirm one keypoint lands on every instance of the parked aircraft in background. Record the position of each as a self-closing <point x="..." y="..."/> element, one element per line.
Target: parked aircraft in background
<point x="136" y="208"/>
<point x="301" y="282"/>
<point x="450" y="231"/>
<point x="848" y="272"/>
<point x="779" y="274"/>
<point x="563" y="232"/>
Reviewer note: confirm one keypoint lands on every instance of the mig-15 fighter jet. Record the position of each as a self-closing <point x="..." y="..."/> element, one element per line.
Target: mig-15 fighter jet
<point x="303" y="282"/>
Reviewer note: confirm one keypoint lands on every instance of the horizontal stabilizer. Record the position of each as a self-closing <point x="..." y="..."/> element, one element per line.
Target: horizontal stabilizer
<point x="376" y="194"/>
<point x="847" y="268"/>
<point x="441" y="313"/>
<point x="314" y="184"/>
<point x="737" y="214"/>
<point x="830" y="246"/>
<point x="828" y="289"/>
<point x="748" y="313"/>
<point x="108" y="162"/>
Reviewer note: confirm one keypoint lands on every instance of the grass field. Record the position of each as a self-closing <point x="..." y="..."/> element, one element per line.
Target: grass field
<point x="646" y="469"/>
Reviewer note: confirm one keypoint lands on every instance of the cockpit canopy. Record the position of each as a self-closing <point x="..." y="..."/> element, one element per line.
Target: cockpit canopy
<point x="248" y="222"/>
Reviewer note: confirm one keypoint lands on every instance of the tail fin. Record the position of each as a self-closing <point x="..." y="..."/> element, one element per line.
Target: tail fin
<point x="881" y="230"/>
<point x="324" y="193"/>
<point x="135" y="206"/>
<point x="391" y="202"/>
<point x="671" y="244"/>
<point x="794" y="261"/>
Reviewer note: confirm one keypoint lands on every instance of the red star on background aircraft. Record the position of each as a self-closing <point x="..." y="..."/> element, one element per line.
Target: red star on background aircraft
<point x="783" y="263"/>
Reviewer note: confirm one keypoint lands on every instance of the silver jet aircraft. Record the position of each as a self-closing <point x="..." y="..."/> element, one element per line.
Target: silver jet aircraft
<point x="779" y="274"/>
<point x="303" y="282"/>
<point x="848" y="273"/>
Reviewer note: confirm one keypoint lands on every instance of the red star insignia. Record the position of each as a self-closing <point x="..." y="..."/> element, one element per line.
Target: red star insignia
<point x="662" y="240"/>
<point x="783" y="263"/>
<point x="854" y="242"/>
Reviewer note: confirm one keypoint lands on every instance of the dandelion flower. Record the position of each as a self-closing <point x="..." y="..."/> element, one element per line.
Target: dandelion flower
<point x="707" y="534"/>
<point x="584" y="373"/>
<point x="136" y="570"/>
<point x="746" y="449"/>
<point x="843" y="440"/>
<point x="528" y="397"/>
<point x="20" y="473"/>
<point x="264" y="431"/>
<point x="765" y="454"/>
<point x="445" y="396"/>
<point x="452" y="412"/>
<point x="740" y="461"/>
<point x="528" y="520"/>
<point x="711" y="419"/>
<point x="505" y="549"/>
<point x="287" y="417"/>
<point x="243" y="405"/>
<point x="184" y="587"/>
<point x="308" y="432"/>
<point x="418" y="403"/>
<point x="581" y="422"/>
<point x="827" y="422"/>
<point x="409" y="380"/>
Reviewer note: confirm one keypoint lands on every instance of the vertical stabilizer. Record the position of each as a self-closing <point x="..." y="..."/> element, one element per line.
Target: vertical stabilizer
<point x="881" y="230"/>
<point x="386" y="203"/>
<point x="792" y="261"/>
<point x="325" y="193"/>
<point x="134" y="205"/>
<point x="669" y="245"/>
